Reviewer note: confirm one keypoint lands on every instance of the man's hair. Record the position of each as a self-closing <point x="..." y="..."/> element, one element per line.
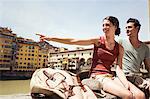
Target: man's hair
<point x="135" y="21"/>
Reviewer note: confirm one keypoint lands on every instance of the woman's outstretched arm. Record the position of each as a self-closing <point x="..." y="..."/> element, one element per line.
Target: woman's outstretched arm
<point x="69" y="41"/>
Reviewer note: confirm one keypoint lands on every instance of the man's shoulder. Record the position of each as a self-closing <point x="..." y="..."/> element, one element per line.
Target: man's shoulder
<point x="121" y="40"/>
<point x="145" y="46"/>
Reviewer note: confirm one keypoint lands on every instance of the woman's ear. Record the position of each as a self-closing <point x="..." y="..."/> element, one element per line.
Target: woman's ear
<point x="116" y="27"/>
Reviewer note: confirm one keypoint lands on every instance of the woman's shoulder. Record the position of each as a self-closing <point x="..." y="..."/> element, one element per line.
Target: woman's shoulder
<point x="101" y="39"/>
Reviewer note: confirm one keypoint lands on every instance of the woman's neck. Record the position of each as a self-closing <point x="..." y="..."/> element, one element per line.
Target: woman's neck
<point x="109" y="42"/>
<point x="110" y="39"/>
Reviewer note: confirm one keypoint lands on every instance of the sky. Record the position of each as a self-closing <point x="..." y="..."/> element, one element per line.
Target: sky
<point x="79" y="19"/>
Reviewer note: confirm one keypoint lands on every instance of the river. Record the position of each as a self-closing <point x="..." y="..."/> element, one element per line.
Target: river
<point x="9" y="87"/>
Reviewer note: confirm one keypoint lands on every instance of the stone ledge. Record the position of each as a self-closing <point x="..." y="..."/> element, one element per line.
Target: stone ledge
<point x="16" y="96"/>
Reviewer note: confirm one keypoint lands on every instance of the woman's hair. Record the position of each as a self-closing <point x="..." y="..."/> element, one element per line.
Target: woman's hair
<point x="115" y="22"/>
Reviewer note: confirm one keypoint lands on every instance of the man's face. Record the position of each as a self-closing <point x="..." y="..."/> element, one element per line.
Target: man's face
<point x="131" y="30"/>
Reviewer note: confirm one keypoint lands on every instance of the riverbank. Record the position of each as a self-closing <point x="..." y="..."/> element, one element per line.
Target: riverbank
<point x="15" y="75"/>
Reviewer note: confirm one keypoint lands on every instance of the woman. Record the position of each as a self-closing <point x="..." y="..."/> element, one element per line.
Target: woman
<point x="106" y="50"/>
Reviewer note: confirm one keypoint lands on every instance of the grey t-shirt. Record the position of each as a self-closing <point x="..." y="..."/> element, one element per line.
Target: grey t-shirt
<point x="133" y="57"/>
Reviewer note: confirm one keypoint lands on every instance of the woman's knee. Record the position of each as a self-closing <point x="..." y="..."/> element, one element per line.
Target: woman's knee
<point x="140" y="95"/>
<point x="128" y="95"/>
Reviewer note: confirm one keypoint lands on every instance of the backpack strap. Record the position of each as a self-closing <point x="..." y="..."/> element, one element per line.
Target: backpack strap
<point x="66" y="89"/>
<point x="102" y="39"/>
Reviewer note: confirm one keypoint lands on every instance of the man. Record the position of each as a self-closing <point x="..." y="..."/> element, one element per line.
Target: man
<point x="135" y="53"/>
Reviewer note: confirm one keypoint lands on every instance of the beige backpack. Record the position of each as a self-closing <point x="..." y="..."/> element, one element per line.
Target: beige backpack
<point x="66" y="85"/>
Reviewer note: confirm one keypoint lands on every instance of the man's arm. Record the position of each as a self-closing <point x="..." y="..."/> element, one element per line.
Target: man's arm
<point x="147" y="64"/>
<point x="146" y="61"/>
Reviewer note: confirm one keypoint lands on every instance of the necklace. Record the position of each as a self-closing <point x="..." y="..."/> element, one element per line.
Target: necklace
<point x="109" y="43"/>
<point x="110" y="46"/>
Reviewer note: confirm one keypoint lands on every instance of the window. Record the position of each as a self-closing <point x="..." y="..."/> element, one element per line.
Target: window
<point x="90" y="53"/>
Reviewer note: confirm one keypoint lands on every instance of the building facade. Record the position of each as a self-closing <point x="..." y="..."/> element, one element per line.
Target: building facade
<point x="29" y="55"/>
<point x="74" y="59"/>
<point x="7" y="48"/>
<point x="20" y="54"/>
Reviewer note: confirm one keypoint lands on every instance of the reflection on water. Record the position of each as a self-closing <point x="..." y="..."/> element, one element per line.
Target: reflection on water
<point x="14" y="87"/>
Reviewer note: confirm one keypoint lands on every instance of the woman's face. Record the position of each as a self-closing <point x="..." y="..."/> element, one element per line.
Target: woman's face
<point x="108" y="27"/>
